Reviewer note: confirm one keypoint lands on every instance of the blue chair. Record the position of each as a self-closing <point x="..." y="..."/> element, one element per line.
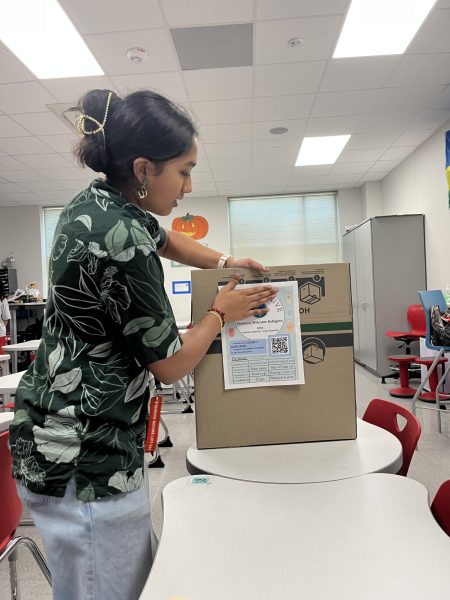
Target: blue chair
<point x="428" y="299"/>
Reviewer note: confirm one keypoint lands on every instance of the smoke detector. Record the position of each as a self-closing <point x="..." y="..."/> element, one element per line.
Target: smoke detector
<point x="137" y="55"/>
<point x="295" y="42"/>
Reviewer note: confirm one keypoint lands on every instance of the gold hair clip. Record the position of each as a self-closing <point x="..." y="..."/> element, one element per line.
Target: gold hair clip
<point x="81" y="119"/>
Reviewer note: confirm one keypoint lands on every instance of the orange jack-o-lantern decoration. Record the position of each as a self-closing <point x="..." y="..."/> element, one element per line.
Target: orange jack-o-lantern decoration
<point x="193" y="226"/>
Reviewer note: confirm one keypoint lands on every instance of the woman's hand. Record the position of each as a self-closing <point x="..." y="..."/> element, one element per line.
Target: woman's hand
<point x="246" y="262"/>
<point x="241" y="304"/>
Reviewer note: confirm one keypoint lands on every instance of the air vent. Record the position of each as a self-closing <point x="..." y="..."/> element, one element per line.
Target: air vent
<point x="65" y="113"/>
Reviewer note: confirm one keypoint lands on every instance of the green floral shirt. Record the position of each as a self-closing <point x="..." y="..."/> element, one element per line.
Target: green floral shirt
<point x="81" y="408"/>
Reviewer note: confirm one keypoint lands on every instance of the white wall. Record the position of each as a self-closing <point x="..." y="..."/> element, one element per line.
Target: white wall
<point x="20" y="233"/>
<point x="418" y="185"/>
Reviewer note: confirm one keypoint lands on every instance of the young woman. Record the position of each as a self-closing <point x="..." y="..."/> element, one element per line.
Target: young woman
<point x="81" y="408"/>
<point x="5" y="316"/>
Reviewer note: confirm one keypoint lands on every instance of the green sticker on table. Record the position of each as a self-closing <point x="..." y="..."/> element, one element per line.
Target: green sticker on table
<point x="200" y="480"/>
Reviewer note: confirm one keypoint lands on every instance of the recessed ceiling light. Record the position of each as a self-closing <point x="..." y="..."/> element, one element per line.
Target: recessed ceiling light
<point x="278" y="130"/>
<point x="42" y="36"/>
<point x="375" y="28"/>
<point x="322" y="150"/>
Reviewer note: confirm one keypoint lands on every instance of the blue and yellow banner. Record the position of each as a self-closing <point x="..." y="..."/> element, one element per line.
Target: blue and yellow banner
<point x="447" y="162"/>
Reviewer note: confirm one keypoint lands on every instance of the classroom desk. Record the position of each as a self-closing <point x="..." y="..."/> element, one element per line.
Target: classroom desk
<point x="364" y="538"/>
<point x="28" y="346"/>
<point x="373" y="450"/>
<point x="13" y="307"/>
<point x="9" y="383"/>
<point x="5" y="420"/>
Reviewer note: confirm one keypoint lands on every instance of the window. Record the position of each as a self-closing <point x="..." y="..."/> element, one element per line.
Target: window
<point x="282" y="230"/>
<point x="50" y="218"/>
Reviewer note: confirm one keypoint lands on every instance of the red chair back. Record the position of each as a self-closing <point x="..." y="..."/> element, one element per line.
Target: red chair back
<point x="440" y="507"/>
<point x="3" y="342"/>
<point x="416" y="319"/>
<point x="10" y="503"/>
<point x="384" y="414"/>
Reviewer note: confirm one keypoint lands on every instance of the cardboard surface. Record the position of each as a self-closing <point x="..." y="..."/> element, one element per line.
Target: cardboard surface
<point x="324" y="408"/>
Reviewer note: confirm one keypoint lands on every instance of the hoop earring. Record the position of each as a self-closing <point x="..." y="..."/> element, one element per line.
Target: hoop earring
<point x="142" y="192"/>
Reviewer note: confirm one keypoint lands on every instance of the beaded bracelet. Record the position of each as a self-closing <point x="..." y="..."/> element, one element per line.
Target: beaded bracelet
<point x="219" y="314"/>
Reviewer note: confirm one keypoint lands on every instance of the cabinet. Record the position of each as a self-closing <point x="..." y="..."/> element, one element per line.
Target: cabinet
<point x="8" y="278"/>
<point x="387" y="266"/>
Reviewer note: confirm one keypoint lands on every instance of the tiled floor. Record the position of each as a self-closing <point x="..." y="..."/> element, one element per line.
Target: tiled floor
<point x="430" y="466"/>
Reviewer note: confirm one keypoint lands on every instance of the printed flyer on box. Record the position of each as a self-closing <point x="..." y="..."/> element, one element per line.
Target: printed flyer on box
<point x="266" y="350"/>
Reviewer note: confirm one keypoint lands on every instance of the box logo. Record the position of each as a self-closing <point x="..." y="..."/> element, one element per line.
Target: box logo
<point x="313" y="350"/>
<point x="311" y="289"/>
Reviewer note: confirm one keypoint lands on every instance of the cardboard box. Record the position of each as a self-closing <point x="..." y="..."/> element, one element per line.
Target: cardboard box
<point x="324" y="408"/>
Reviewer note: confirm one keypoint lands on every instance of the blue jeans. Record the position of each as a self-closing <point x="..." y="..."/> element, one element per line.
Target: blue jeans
<point x="100" y="550"/>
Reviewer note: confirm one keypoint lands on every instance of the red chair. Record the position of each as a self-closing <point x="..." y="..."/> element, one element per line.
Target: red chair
<point x="10" y="511"/>
<point x="384" y="414"/>
<point x="440" y="507"/>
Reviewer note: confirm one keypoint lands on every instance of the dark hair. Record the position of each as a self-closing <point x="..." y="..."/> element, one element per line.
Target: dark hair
<point x="2" y="290"/>
<point x="143" y="124"/>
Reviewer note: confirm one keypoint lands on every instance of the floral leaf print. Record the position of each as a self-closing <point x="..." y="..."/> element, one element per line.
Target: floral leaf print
<point x="88" y="285"/>
<point x="55" y="359"/>
<point x="137" y="386"/>
<point x="59" y="246"/>
<point x="141" y="238"/>
<point x="78" y="253"/>
<point x="86" y="220"/>
<point x="174" y="347"/>
<point x="143" y="290"/>
<point x="126" y="255"/>
<point x="25" y="466"/>
<point x="87" y="494"/>
<point x="100" y="198"/>
<point x="125" y="482"/>
<point x="116" y="238"/>
<point x="139" y="323"/>
<point x="101" y="351"/>
<point x="155" y="337"/>
<point x="95" y="249"/>
<point x="21" y="416"/>
<point x="90" y="396"/>
<point x="76" y="347"/>
<point x="113" y="294"/>
<point x="58" y="439"/>
<point x="66" y="382"/>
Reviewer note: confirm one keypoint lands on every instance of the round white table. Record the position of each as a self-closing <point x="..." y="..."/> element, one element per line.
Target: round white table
<point x="374" y="450"/>
<point x="356" y="539"/>
<point x="9" y="383"/>
<point x="28" y="346"/>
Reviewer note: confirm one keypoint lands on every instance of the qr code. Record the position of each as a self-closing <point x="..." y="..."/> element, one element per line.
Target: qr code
<point x="279" y="345"/>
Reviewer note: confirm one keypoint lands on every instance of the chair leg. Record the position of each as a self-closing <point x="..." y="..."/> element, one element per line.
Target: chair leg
<point x="438" y="403"/>
<point x="37" y="554"/>
<point x="425" y="379"/>
<point x="12" y="559"/>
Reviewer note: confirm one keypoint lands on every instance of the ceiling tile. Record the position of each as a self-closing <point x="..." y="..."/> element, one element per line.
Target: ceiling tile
<point x="60" y="143"/>
<point x="23" y="145"/>
<point x="71" y="89"/>
<point x="274" y="161"/>
<point x="228" y="46"/>
<point x="421" y="69"/>
<point x="341" y="125"/>
<point x="41" y="123"/>
<point x="44" y="161"/>
<point x="219" y="84"/>
<point x="21" y="197"/>
<point x="396" y="121"/>
<point x="273" y="186"/>
<point x="231" y="132"/>
<point x="8" y="163"/>
<point x="26" y="97"/>
<point x="43" y="186"/>
<point x="311" y="170"/>
<point x="23" y="175"/>
<point x="225" y="164"/>
<point x="307" y="179"/>
<point x="357" y="167"/>
<point x="194" y="195"/>
<point x="100" y="16"/>
<point x="276" y="146"/>
<point x="205" y="12"/>
<point x="341" y="103"/>
<point x="224" y="111"/>
<point x="413" y="138"/>
<point x="430" y="119"/>
<point x="343" y="178"/>
<point x="204" y="187"/>
<point x="354" y="156"/>
<point x="201" y="176"/>
<point x="372" y="140"/>
<point x="232" y="175"/>
<point x="6" y="188"/>
<point x="276" y="173"/>
<point x="433" y="35"/>
<point x="282" y="107"/>
<point x="229" y="149"/>
<point x="295" y="129"/>
<point x="167" y="84"/>
<point x="318" y="35"/>
<point x="374" y="175"/>
<point x="403" y="98"/>
<point x="70" y="173"/>
<point x="397" y="153"/>
<point x="110" y="51"/>
<point x="384" y="165"/>
<point x="358" y="73"/>
<point x="295" y="78"/>
<point x="12" y="69"/>
<point x="9" y="128"/>
<point x="274" y="9"/>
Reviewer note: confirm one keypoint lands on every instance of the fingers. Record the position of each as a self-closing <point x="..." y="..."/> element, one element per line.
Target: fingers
<point x="263" y="290"/>
<point x="232" y="283"/>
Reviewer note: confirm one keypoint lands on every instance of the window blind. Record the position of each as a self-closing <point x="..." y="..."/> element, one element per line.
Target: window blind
<point x="49" y="222"/>
<point x="294" y="229"/>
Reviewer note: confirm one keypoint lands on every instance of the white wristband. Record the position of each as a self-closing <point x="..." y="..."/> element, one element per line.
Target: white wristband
<point x="222" y="261"/>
